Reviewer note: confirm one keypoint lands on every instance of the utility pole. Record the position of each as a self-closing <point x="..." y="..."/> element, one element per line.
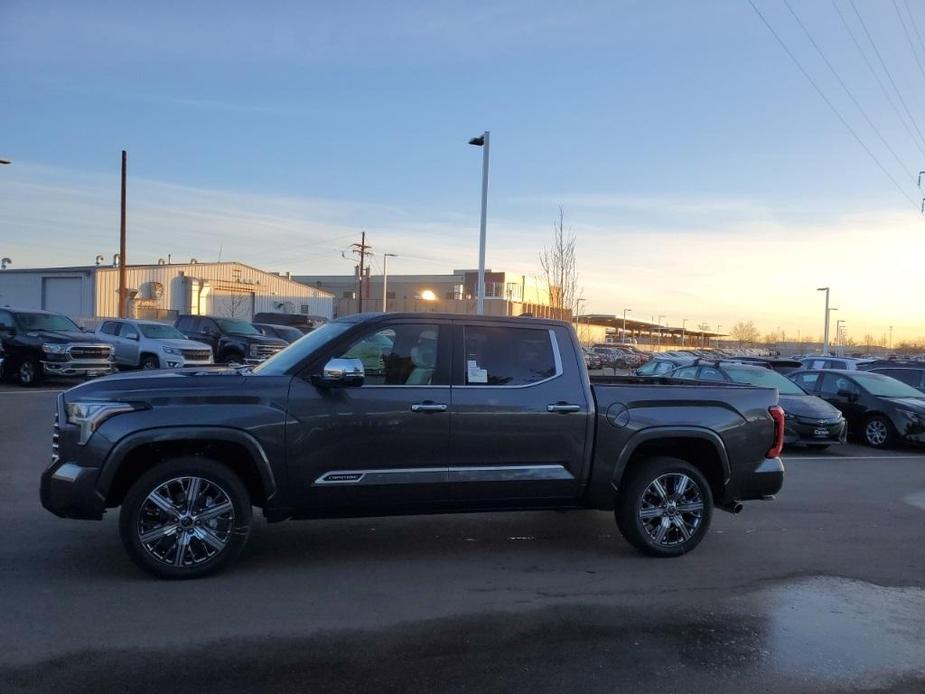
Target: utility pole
<point x="482" y="141"/>
<point x="891" y="338"/>
<point x="361" y="249"/>
<point x="385" y="277"/>
<point x="122" y="259"/>
<point x="825" y="330"/>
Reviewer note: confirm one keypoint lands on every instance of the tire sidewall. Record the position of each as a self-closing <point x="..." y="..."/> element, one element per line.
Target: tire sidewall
<point x="629" y="502"/>
<point x="149" y="358"/>
<point x="889" y="432"/>
<point x="208" y="469"/>
<point x="36" y="372"/>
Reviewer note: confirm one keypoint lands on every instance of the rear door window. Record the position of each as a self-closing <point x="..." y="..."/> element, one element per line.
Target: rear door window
<point x="686" y="372"/>
<point x="187" y="324"/>
<point x="833" y="384"/>
<point x="496" y="356"/>
<point x="708" y="373"/>
<point x="807" y="381"/>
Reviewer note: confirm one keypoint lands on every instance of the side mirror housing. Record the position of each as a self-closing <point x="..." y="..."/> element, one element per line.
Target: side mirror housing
<point x="341" y="373"/>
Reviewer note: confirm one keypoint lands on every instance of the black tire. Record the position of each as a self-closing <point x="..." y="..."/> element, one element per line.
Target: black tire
<point x="232" y="358"/>
<point x="150" y="361"/>
<point x="136" y="513"/>
<point x="817" y="446"/>
<point x="635" y="497"/>
<point x="878" y="432"/>
<point x="28" y="372"/>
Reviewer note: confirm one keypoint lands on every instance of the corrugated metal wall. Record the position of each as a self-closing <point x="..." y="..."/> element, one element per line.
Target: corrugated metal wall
<point x="28" y="290"/>
<point x="272" y="293"/>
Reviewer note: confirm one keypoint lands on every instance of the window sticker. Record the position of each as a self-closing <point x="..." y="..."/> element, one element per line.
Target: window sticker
<point x="474" y="374"/>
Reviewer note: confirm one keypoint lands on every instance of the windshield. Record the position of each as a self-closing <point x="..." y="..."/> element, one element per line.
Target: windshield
<point x="288" y="334"/>
<point x="236" y="327"/>
<point x="886" y="387"/>
<point x="45" y="321"/>
<point x="766" y="378"/>
<point x="160" y="332"/>
<point x="281" y="362"/>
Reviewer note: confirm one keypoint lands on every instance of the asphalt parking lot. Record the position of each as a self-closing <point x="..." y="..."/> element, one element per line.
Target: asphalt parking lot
<point x="820" y="590"/>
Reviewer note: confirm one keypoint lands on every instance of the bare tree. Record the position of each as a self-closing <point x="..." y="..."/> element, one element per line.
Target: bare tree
<point x="745" y="333"/>
<point x="236" y="305"/>
<point x="559" y="268"/>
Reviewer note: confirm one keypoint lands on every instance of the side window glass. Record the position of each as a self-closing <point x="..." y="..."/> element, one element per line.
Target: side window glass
<point x="686" y="372"/>
<point x="708" y="373"/>
<point x="832" y="384"/>
<point x="808" y="381"/>
<point x="186" y="323"/>
<point x="110" y="328"/>
<point x="128" y="331"/>
<point x="398" y="355"/>
<point x="497" y="356"/>
<point x="6" y="320"/>
<point x="837" y="365"/>
<point x="664" y="367"/>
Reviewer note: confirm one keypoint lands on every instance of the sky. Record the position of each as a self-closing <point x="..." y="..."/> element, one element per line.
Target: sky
<point x="702" y="173"/>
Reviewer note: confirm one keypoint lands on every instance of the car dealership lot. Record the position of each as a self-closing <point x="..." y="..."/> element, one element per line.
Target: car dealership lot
<point x="820" y="590"/>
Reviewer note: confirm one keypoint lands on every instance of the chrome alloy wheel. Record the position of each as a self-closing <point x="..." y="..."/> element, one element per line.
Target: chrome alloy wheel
<point x="186" y="521"/>
<point x="671" y="509"/>
<point x="876" y="432"/>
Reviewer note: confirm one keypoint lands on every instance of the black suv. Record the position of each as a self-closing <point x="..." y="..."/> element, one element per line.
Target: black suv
<point x="39" y="343"/>
<point x="880" y="409"/>
<point x="233" y="341"/>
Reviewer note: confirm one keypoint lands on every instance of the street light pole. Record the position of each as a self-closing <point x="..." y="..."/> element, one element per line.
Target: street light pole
<point x="122" y="261"/>
<point x="825" y="331"/>
<point x="385" y="277"/>
<point x="483" y="142"/>
<point x="660" y="329"/>
<point x="625" y="311"/>
<point x="683" y="330"/>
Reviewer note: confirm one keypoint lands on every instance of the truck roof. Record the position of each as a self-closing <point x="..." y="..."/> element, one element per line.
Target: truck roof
<point x="506" y="320"/>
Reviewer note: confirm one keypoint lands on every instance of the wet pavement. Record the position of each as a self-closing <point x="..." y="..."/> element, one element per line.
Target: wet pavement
<point x="822" y="590"/>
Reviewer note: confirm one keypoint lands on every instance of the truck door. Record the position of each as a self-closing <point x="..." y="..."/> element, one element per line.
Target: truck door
<point x="128" y="345"/>
<point x="383" y="443"/>
<point x="520" y="416"/>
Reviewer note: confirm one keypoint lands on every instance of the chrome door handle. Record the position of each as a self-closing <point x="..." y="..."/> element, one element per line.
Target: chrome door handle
<point x="563" y="408"/>
<point x="428" y="407"/>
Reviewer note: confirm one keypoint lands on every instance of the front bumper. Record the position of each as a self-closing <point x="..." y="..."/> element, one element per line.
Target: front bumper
<point x="799" y="430"/>
<point x="78" y="368"/>
<point x="69" y="491"/>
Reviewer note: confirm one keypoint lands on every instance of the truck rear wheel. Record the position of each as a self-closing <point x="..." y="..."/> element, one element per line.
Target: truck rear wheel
<point x="29" y="372"/>
<point x="185" y="518"/>
<point x="664" y="507"/>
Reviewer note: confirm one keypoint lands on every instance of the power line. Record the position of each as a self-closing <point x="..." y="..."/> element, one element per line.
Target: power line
<point x="870" y="66"/>
<point x="848" y="92"/>
<point x="831" y="105"/>
<point x="915" y="53"/>
<point x="915" y="26"/>
<point x="886" y="70"/>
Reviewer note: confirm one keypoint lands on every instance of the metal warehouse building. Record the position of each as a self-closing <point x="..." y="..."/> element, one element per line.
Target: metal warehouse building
<point x="162" y="291"/>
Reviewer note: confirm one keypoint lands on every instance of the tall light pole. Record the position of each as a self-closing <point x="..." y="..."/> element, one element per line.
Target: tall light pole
<point x="482" y="141"/>
<point x="891" y="338"/>
<point x="122" y="261"/>
<point x="683" y="330"/>
<point x="385" y="276"/>
<point x="825" y="330"/>
<point x="660" y="329"/>
<point x="838" y="329"/>
<point x="625" y="311"/>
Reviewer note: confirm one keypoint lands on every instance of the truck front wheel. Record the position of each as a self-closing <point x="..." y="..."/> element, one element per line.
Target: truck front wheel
<point x="185" y="518"/>
<point x="664" y="507"/>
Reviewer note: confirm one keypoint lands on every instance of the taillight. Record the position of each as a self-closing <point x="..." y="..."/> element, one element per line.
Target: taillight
<point x="777" y="414"/>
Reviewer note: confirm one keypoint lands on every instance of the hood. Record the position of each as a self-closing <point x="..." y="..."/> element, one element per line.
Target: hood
<point x="259" y="339"/>
<point x="63" y="336"/>
<point x="145" y="384"/>
<point x="808" y="406"/>
<point x="914" y="404"/>
<point x="184" y="344"/>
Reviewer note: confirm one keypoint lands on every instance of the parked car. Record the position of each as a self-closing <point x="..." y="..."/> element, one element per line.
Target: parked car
<point x="833" y="363"/>
<point x="40" y="343"/>
<point x="780" y="365"/>
<point x="592" y="361"/>
<point x="611" y="357"/>
<point x="661" y="366"/>
<point x="283" y="332"/>
<point x="233" y="341"/>
<point x="500" y="414"/>
<point x="151" y="345"/>
<point x="809" y="420"/>
<point x="910" y="375"/>
<point x="300" y="321"/>
<point x="879" y="409"/>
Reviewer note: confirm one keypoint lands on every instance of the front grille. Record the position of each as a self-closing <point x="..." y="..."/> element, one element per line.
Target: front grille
<point x="55" y="439"/>
<point x="89" y="351"/>
<point x="196" y="354"/>
<point x="264" y="351"/>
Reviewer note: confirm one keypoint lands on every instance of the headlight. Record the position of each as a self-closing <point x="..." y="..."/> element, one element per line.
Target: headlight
<point x="53" y="348"/>
<point x="171" y="350"/>
<point x="90" y="415"/>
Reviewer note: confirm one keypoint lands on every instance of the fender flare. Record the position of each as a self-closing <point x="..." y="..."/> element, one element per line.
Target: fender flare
<point x="127" y="444"/>
<point x="672" y="432"/>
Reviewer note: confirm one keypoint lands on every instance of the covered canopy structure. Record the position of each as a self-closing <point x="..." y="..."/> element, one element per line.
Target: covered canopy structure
<point x="593" y="327"/>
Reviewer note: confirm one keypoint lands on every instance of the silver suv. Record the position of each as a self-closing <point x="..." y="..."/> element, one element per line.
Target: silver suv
<point x="152" y="345"/>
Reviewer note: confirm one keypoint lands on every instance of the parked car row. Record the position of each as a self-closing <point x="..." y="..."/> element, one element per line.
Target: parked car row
<point x="35" y="344"/>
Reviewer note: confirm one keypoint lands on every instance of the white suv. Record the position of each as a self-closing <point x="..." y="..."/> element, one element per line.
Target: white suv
<point x="152" y="345"/>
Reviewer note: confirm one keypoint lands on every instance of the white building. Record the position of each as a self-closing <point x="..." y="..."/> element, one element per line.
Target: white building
<point x="162" y="291"/>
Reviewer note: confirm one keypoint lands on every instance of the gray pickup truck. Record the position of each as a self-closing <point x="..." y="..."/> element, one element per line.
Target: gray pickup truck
<point x="377" y="414"/>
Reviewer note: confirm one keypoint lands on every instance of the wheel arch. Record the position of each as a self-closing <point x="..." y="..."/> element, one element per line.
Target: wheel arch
<point x="702" y="448"/>
<point x="137" y="453"/>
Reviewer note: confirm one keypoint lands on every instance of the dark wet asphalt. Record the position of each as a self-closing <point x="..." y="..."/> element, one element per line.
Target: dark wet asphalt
<point x="821" y="590"/>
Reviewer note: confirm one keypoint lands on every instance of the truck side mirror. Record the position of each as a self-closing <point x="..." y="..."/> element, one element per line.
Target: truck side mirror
<point x="341" y="373"/>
